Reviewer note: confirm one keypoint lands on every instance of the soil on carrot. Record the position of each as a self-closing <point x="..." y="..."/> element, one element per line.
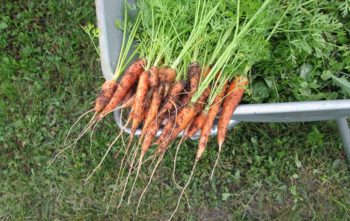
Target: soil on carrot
<point x="267" y="171"/>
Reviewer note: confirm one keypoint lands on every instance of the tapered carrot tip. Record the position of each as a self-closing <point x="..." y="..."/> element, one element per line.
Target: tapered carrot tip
<point x="200" y="152"/>
<point x="128" y="102"/>
<point x="220" y="146"/>
<point x="197" y="123"/>
<point x="161" y="148"/>
<point x="220" y="142"/>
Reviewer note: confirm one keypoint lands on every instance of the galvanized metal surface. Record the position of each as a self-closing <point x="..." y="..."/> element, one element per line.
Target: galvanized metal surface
<point x="344" y="131"/>
<point x="109" y="37"/>
<point x="108" y="11"/>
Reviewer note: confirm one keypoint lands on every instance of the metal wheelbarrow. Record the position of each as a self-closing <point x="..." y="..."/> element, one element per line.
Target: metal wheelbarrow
<point x="108" y="11"/>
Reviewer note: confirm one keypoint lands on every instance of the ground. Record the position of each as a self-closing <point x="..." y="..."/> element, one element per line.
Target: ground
<point x="50" y="74"/>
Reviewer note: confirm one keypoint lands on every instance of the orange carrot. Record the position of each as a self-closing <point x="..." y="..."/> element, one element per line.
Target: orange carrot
<point x="140" y="96"/>
<point x="183" y="119"/>
<point x="198" y="106"/>
<point x="169" y="126"/>
<point x="146" y="107"/>
<point x="174" y="95"/>
<point x="128" y="102"/>
<point x="153" y="78"/>
<point x="234" y="96"/>
<point x="103" y="98"/>
<point x="126" y="83"/>
<point x="154" y="100"/>
<point x="197" y="124"/>
<point x="105" y="95"/>
<point x="214" y="109"/>
<point x="161" y="76"/>
<point x="169" y="105"/>
<point x="166" y="76"/>
<point x="128" y="96"/>
<point x="194" y="72"/>
<point x="153" y="110"/>
<point x="162" y="73"/>
<point x="150" y="134"/>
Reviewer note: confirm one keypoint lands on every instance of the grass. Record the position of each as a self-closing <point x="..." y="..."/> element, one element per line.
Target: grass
<point x="49" y="74"/>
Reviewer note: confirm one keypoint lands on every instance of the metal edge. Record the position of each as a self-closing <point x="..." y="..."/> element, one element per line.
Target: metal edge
<point x="103" y="41"/>
<point x="284" y="107"/>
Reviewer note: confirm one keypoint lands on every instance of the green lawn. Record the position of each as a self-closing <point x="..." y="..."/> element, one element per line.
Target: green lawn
<point x="50" y="73"/>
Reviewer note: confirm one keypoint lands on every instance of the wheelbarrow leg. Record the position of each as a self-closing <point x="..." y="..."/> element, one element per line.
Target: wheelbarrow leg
<point x="344" y="131"/>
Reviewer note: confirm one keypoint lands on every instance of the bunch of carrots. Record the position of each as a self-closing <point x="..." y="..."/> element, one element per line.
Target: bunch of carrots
<point x="183" y="80"/>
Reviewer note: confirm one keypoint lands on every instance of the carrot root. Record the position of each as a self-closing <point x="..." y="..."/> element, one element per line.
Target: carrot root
<point x="125" y="84"/>
<point x="214" y="109"/>
<point x="197" y="123"/>
<point x="79" y="118"/>
<point x="105" y="95"/>
<point x="184" y="189"/>
<point x="173" y="97"/>
<point x="149" y="182"/>
<point x="140" y="96"/>
<point x="234" y="96"/>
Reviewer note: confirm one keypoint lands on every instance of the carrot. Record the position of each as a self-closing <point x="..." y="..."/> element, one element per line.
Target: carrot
<point x="197" y="124"/>
<point x="146" y="107"/>
<point x="136" y="114"/>
<point x="183" y="119"/>
<point x="173" y="97"/>
<point x="194" y="108"/>
<point x="194" y="72"/>
<point x="140" y="96"/>
<point x="150" y="134"/>
<point x="127" y="97"/>
<point x="153" y="109"/>
<point x="105" y="95"/>
<point x="169" y="126"/>
<point x="154" y="100"/>
<point x="125" y="84"/>
<point x="153" y="78"/>
<point x="162" y="73"/>
<point x="166" y="77"/>
<point x="128" y="102"/>
<point x="214" y="109"/>
<point x="234" y="96"/>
